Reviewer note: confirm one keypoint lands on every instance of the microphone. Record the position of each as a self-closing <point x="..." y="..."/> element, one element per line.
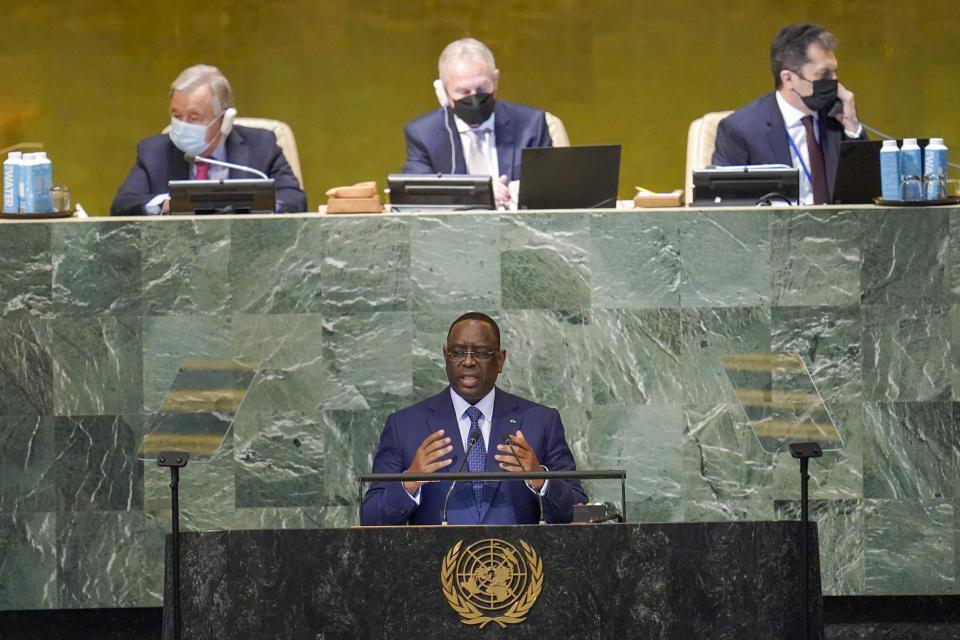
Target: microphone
<point x="507" y="440"/>
<point x="453" y="148"/>
<point x="192" y="157"/>
<point x="442" y="99"/>
<point x="470" y="444"/>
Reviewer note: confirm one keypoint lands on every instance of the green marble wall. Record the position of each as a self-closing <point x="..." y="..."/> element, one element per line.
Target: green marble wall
<point x="617" y="318"/>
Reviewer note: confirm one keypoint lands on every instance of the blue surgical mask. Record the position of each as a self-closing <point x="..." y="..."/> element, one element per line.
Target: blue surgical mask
<point x="189" y="137"/>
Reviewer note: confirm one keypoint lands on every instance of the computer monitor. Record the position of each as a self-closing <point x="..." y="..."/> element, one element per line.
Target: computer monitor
<point x="222" y="196"/>
<point x="746" y="186"/>
<point x="582" y="177"/>
<point x="439" y="192"/>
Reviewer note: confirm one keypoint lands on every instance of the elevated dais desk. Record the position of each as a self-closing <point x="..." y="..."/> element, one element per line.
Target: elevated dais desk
<point x="683" y="581"/>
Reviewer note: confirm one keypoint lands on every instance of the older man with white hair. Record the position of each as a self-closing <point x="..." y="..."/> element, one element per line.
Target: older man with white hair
<point x="201" y="123"/>
<point x="473" y="132"/>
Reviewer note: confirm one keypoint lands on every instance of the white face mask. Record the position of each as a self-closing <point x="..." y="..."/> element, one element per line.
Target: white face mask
<point x="189" y="137"/>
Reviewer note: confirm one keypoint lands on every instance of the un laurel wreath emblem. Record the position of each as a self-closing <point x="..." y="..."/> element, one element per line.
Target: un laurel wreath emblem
<point x="491" y="581"/>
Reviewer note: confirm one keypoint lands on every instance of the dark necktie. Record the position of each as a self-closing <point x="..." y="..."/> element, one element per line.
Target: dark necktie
<point x="478" y="454"/>
<point x="818" y="171"/>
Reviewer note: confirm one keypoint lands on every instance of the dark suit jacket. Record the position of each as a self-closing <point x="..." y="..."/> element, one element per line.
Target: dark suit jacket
<point x="159" y="162"/>
<point x="506" y="502"/>
<point x="516" y="126"/>
<point x="757" y="134"/>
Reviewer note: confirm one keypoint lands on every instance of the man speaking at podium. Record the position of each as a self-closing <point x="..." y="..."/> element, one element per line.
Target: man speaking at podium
<point x="436" y="434"/>
<point x="201" y="123"/>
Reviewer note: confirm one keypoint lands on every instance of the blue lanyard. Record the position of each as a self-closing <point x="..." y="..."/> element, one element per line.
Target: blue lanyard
<point x="806" y="171"/>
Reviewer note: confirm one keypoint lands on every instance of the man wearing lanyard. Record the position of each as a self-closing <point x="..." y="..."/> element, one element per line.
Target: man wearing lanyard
<point x="800" y="123"/>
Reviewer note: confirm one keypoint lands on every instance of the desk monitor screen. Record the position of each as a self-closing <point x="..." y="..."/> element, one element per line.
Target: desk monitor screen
<point x="584" y="177"/>
<point x="746" y="186"/>
<point x="858" y="171"/>
<point x="439" y="192"/>
<point x="222" y="196"/>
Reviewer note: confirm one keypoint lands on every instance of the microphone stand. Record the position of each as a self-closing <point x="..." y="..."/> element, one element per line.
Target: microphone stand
<point x="175" y="460"/>
<point x="472" y="442"/>
<point x="496" y="476"/>
<point x="803" y="451"/>
<point x="507" y="440"/>
<point x="192" y="157"/>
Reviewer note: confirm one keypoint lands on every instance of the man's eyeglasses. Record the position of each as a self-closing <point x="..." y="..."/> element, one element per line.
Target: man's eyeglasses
<point x="480" y="355"/>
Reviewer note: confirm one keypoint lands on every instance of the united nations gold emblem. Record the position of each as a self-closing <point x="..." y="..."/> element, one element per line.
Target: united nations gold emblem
<point x="491" y="581"/>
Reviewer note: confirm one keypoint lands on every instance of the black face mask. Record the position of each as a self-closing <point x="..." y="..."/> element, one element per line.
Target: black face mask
<point x="476" y="108"/>
<point x="823" y="96"/>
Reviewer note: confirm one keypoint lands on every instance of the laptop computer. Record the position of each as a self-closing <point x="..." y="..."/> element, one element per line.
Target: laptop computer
<point x="583" y="177"/>
<point x="858" y="171"/>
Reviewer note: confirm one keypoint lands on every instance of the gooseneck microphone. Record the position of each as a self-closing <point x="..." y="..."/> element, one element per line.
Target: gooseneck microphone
<point x="192" y="157"/>
<point x="473" y="441"/>
<point x="441" y="93"/>
<point x="507" y="440"/>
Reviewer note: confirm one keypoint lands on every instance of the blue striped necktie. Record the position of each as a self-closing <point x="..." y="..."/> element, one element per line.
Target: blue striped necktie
<point x="478" y="454"/>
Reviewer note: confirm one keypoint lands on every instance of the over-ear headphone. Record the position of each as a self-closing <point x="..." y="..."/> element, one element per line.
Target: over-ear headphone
<point x="441" y="92"/>
<point x="227" y="125"/>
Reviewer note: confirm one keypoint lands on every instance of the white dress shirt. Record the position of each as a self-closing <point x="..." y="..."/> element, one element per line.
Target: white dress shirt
<point x="467" y="137"/>
<point x="793" y="119"/>
<point x="460" y="407"/>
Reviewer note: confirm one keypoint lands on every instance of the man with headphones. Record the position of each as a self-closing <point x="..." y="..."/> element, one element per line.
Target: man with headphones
<point x="201" y="123"/>
<point x="473" y="132"/>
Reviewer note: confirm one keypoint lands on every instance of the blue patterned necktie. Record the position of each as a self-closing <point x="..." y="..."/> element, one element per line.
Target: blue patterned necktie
<point x="478" y="454"/>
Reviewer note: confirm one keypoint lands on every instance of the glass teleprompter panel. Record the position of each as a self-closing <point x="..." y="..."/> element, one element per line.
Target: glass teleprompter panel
<point x="780" y="401"/>
<point x="198" y="410"/>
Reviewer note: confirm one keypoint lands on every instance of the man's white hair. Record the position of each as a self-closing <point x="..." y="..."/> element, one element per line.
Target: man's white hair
<point x="205" y="75"/>
<point x="464" y="48"/>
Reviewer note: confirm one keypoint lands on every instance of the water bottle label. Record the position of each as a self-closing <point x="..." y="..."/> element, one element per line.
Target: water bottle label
<point x="11" y="202"/>
<point x="911" y="174"/>
<point x="934" y="173"/>
<point x="890" y="174"/>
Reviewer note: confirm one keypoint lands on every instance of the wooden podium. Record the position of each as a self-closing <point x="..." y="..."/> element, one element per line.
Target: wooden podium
<point x="700" y="580"/>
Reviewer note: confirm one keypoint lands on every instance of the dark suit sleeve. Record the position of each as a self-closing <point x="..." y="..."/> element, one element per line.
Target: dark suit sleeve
<point x="543" y="134"/>
<point x="136" y="190"/>
<point x="730" y="147"/>
<point x="290" y="198"/>
<point x="418" y="159"/>
<point x="388" y="503"/>
<point x="561" y="495"/>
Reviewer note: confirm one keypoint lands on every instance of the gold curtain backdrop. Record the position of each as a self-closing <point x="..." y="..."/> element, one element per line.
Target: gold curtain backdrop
<point x="90" y="78"/>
